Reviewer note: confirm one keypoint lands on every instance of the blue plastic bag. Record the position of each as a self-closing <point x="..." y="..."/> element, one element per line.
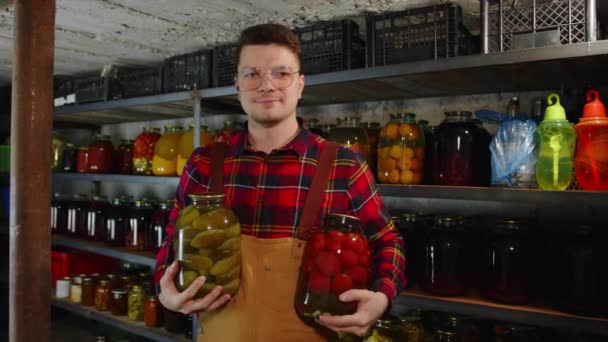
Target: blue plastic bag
<point x="514" y="154"/>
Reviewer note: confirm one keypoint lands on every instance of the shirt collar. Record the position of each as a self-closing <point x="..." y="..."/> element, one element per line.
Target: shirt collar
<point x="299" y="144"/>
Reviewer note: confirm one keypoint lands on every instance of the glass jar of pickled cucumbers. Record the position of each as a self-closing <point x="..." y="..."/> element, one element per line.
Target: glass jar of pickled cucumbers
<point x="207" y="243"/>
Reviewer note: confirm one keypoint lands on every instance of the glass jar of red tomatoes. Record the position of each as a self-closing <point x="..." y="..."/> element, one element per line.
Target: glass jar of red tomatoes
<point x="336" y="259"/>
<point x="101" y="155"/>
<point x="143" y="151"/>
<point x="82" y="159"/>
<point x="124" y="157"/>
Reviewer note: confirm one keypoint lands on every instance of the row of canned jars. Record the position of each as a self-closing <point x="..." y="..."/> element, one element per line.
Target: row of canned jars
<point x="429" y="326"/>
<point x="448" y="255"/>
<point x="137" y="225"/>
<point x="408" y="152"/>
<point x="149" y="154"/>
<point x="121" y="295"/>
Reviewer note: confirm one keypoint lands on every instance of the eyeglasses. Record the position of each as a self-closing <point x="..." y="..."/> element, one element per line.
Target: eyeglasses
<point x="251" y="78"/>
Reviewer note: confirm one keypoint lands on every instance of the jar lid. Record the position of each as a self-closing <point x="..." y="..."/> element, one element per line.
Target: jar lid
<point x="87" y="280"/>
<point x="83" y="148"/>
<point x="125" y="277"/>
<point x="111" y="276"/>
<point x="370" y="124"/>
<point x="449" y="221"/>
<point x="554" y="111"/>
<point x="69" y="145"/>
<point x="119" y="291"/>
<point x="511" y="224"/>
<point x="104" y="282"/>
<point x="463" y="113"/>
<point x="423" y="123"/>
<point x="100" y="198"/>
<point x="79" y="196"/>
<point x="155" y="130"/>
<point x="207" y="195"/>
<point x="137" y="288"/>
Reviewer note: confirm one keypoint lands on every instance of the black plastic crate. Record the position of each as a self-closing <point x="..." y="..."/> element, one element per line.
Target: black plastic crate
<point x="137" y="82"/>
<point x="424" y="33"/>
<point x="331" y="46"/>
<point x="187" y="71"/>
<point x="91" y="89"/>
<point x="224" y="65"/>
<point x="63" y="87"/>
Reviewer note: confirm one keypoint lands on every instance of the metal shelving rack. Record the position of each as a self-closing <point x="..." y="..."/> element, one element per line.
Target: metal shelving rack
<point x="136" y="328"/>
<point x="516" y="70"/>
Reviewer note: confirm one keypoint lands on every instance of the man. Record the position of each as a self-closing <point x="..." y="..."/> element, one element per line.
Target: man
<point x="267" y="174"/>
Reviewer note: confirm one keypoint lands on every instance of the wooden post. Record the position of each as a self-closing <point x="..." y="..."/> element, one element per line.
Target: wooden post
<point x="31" y="131"/>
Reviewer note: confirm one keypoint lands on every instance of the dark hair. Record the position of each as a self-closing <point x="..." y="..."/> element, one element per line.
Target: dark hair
<point x="265" y="34"/>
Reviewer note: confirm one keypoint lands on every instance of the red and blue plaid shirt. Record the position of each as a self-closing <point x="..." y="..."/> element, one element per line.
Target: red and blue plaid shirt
<point x="267" y="193"/>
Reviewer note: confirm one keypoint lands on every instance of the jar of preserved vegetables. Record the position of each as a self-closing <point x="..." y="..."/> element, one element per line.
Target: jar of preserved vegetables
<point x="326" y="271"/>
<point x="101" y="155"/>
<point x="401" y="151"/>
<point x="349" y="133"/>
<point x="118" y="304"/>
<point x="143" y="151"/>
<point x="152" y="312"/>
<point x="58" y="144"/>
<point x="160" y="219"/>
<point x="186" y="145"/>
<point x="59" y="213"/>
<point x="70" y="154"/>
<point x="164" y="162"/>
<point x="207" y="242"/>
<point x="136" y="303"/>
<point x="103" y="295"/>
<point x="509" y="261"/>
<point x="446" y="261"/>
<point x="77" y="215"/>
<point x="97" y="214"/>
<point x="117" y="223"/>
<point x="88" y="292"/>
<point x="82" y="159"/>
<point x="461" y="153"/>
<point x="76" y="290"/>
<point x="138" y="236"/>
<point x="124" y="157"/>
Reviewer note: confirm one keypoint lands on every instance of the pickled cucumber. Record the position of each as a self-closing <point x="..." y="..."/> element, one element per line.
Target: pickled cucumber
<point x="233" y="231"/>
<point x="187" y="233"/>
<point x="187" y="278"/>
<point x="229" y="247"/>
<point x="228" y="276"/>
<point x="215" y="219"/>
<point x="232" y="286"/>
<point x="196" y="262"/>
<point x="225" y="265"/>
<point x="208" y="239"/>
<point x="186" y="217"/>
<point x="206" y="252"/>
<point x="207" y="287"/>
<point x="185" y="249"/>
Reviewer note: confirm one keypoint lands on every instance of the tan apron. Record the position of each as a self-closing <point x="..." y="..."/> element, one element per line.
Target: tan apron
<point x="263" y="308"/>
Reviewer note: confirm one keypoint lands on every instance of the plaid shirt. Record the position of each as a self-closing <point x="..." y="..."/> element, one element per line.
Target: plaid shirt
<point x="267" y="193"/>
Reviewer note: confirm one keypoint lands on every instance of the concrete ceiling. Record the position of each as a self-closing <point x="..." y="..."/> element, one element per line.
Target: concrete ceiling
<point x="93" y="33"/>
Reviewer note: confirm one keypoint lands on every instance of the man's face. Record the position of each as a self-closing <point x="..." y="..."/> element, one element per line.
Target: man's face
<point x="269" y="104"/>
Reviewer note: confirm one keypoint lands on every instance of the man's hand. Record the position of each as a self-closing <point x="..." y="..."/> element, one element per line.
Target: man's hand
<point x="370" y="306"/>
<point x="182" y="302"/>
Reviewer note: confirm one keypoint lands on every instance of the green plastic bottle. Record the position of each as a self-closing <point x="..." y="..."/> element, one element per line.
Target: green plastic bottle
<point x="557" y="139"/>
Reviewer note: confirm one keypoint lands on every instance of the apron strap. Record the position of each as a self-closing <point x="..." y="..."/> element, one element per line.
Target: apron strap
<point x="319" y="183"/>
<point x="218" y="153"/>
